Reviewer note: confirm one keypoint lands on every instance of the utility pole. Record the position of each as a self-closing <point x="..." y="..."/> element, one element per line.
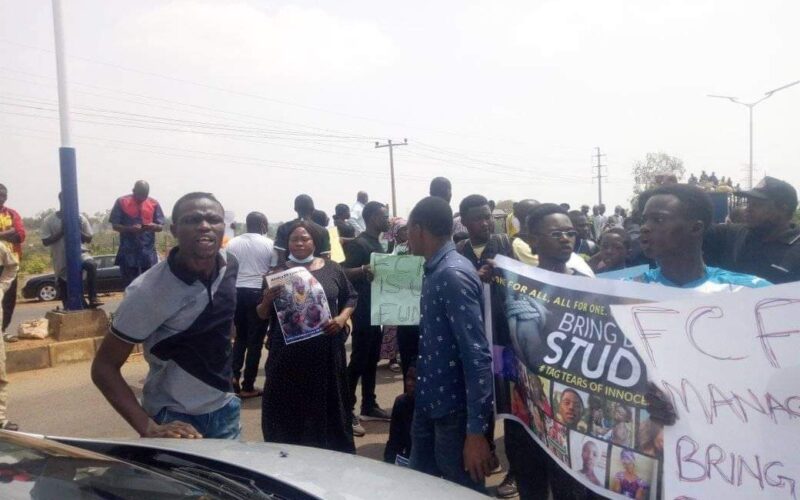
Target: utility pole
<point x="599" y="176"/>
<point x="389" y="144"/>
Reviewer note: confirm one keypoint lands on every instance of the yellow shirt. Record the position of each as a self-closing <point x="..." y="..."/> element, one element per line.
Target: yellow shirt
<point x="512" y="225"/>
<point x="523" y="253"/>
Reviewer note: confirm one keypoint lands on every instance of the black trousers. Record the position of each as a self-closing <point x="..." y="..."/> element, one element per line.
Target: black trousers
<point x="131" y="273"/>
<point x="90" y="267"/>
<point x="250" y="333"/>
<point x="366" y="353"/>
<point x="9" y="303"/>
<point x="408" y="346"/>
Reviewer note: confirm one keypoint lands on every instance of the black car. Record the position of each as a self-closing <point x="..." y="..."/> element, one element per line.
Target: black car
<point x="109" y="279"/>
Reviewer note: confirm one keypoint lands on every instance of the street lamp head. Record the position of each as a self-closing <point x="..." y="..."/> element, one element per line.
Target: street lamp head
<point x="769" y="94"/>
<point x="732" y="99"/>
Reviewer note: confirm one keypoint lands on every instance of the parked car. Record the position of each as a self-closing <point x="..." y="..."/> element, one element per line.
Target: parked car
<point x="109" y="279"/>
<point x="33" y="466"/>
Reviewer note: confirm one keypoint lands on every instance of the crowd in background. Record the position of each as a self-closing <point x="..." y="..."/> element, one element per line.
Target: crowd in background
<point x="182" y="310"/>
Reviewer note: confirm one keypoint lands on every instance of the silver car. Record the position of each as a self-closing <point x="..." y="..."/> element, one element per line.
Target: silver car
<point x="39" y="467"/>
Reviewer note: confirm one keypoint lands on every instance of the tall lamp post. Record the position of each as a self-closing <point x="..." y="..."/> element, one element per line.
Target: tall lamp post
<point x="750" y="106"/>
<point x="70" y="214"/>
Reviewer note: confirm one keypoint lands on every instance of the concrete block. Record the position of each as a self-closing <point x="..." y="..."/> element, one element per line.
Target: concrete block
<point x="32" y="358"/>
<point x="72" y="325"/>
<point x="71" y="351"/>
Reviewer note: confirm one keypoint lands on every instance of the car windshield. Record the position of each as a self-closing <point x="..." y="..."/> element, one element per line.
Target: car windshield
<point x="32" y="468"/>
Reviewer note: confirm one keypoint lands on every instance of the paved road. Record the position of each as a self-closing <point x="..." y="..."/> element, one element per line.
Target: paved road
<point x="29" y="310"/>
<point x="62" y="401"/>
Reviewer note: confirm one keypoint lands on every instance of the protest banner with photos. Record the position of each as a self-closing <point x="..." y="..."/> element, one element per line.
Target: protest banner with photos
<point x="731" y="364"/>
<point x="302" y="306"/>
<point x="396" y="289"/>
<point x="565" y="371"/>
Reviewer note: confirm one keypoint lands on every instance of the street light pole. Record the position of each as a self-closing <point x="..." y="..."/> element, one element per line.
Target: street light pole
<point x="70" y="213"/>
<point x="750" y="106"/>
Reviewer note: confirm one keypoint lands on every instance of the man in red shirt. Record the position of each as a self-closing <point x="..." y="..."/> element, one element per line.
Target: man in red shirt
<point x="12" y="234"/>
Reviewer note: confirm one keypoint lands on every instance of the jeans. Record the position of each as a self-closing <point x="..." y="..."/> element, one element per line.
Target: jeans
<point x="90" y="266"/>
<point x="250" y="333"/>
<point x="437" y="448"/>
<point x="9" y="303"/>
<point x="219" y="424"/>
<point x="364" y="363"/>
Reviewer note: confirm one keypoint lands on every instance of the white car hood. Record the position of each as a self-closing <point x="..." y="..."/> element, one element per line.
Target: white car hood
<point x="322" y="473"/>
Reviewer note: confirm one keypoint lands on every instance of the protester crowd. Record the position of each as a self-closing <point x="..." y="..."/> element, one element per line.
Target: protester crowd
<point x="204" y="313"/>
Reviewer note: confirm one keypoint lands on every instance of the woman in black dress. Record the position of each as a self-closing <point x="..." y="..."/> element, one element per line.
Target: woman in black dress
<point x="306" y="387"/>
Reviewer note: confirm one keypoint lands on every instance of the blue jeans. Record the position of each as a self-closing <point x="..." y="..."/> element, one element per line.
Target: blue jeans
<point x="219" y="424"/>
<point x="437" y="448"/>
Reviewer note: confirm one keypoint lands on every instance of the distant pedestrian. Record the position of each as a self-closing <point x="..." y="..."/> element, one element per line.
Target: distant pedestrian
<point x="12" y="235"/>
<point x="357" y="212"/>
<point x="8" y="274"/>
<point x="181" y="310"/>
<point x="256" y="256"/>
<point x="52" y="232"/>
<point x="137" y="218"/>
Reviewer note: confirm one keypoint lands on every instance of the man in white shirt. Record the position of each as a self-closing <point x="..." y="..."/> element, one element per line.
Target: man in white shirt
<point x="356" y="217"/>
<point x="52" y="233"/>
<point x="256" y="256"/>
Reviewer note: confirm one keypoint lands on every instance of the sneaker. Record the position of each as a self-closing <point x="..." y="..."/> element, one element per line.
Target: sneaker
<point x="375" y="413"/>
<point x="9" y="426"/>
<point x="358" y="429"/>
<point x="508" y="487"/>
<point x="395" y="366"/>
<point x="10" y="338"/>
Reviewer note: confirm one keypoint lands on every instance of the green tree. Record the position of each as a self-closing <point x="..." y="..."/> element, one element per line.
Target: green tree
<point x="645" y="172"/>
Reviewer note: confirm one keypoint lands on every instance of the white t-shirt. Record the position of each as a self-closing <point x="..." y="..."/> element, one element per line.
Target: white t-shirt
<point x="357" y="217"/>
<point x="52" y="225"/>
<point x="255" y="255"/>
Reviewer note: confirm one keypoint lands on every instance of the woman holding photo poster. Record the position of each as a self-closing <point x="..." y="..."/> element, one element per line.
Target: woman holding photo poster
<point x="306" y="390"/>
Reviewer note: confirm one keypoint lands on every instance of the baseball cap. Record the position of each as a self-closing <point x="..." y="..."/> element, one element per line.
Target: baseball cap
<point x="775" y="190"/>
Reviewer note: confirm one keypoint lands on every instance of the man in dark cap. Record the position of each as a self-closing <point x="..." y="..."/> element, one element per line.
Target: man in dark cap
<point x="767" y="245"/>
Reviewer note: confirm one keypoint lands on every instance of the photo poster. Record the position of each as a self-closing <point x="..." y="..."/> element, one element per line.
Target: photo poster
<point x="730" y="362"/>
<point x="302" y="307"/>
<point x="396" y="289"/>
<point x="566" y="372"/>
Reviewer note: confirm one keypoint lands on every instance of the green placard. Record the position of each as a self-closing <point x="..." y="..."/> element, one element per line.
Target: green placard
<point x="396" y="289"/>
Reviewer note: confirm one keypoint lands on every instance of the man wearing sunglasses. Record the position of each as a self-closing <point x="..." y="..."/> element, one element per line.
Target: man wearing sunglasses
<point x="552" y="236"/>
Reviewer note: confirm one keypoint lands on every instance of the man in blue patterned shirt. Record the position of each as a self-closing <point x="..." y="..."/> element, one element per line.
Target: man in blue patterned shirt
<point x="454" y="369"/>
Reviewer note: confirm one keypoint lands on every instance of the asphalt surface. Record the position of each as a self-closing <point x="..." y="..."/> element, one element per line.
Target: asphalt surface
<point x="28" y="310"/>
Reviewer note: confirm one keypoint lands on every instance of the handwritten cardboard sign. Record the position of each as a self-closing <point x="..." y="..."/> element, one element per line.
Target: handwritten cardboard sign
<point x="731" y="364"/>
<point x="396" y="289"/>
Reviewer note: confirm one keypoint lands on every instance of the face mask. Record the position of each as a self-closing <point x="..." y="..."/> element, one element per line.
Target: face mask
<point x="307" y="260"/>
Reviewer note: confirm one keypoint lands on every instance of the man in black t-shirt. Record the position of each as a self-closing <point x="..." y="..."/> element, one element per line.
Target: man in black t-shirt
<point x="366" y="338"/>
<point x="768" y="244"/>
<point x="304" y="206"/>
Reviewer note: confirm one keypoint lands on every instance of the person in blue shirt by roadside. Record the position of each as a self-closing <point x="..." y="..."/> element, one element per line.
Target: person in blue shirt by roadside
<point x="454" y="370"/>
